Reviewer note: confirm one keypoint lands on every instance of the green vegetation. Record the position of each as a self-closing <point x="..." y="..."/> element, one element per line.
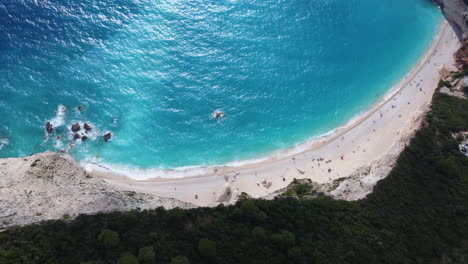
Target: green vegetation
<point x="259" y="234"/>
<point x="300" y="189"/>
<point x="207" y="248"/>
<point x="146" y="255"/>
<point x="34" y="164"/>
<point x="457" y="74"/>
<point x="418" y="214"/>
<point x="131" y="194"/>
<point x="180" y="260"/>
<point x="108" y="238"/>
<point x="127" y="258"/>
<point x="443" y="83"/>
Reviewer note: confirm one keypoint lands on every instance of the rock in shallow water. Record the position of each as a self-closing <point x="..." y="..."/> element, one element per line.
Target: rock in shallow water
<point x="49" y="127"/>
<point x="75" y="127"/>
<point x="76" y="136"/>
<point x="87" y="127"/>
<point x="107" y="136"/>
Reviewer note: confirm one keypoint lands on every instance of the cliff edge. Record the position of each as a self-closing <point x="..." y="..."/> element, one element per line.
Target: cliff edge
<point x="50" y="186"/>
<point x="456" y="11"/>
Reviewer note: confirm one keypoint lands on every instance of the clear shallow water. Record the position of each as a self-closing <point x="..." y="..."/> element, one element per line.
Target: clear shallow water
<point x="152" y="72"/>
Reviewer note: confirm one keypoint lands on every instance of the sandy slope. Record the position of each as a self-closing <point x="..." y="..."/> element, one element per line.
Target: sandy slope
<point x="369" y="146"/>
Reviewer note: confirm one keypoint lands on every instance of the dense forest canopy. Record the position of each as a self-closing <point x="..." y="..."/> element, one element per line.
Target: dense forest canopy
<point x="418" y="214"/>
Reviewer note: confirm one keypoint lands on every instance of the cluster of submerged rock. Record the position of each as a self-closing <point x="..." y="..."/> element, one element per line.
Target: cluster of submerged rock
<point x="75" y="128"/>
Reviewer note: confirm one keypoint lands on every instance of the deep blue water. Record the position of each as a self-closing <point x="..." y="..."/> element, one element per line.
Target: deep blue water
<point x="152" y="72"/>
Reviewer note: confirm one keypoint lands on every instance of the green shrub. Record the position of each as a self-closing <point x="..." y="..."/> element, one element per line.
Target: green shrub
<point x="146" y="254"/>
<point x="127" y="258"/>
<point x="284" y="239"/>
<point x="249" y="210"/>
<point x="443" y="83"/>
<point x="259" y="234"/>
<point x="295" y="253"/>
<point x="153" y="236"/>
<point x="207" y="248"/>
<point x="108" y="238"/>
<point x="457" y="75"/>
<point x="180" y="260"/>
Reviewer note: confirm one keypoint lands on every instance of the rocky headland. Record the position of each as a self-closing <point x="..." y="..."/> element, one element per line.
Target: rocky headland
<point x="52" y="186"/>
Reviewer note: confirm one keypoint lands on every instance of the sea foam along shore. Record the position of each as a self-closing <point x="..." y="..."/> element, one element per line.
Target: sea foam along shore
<point x="365" y="148"/>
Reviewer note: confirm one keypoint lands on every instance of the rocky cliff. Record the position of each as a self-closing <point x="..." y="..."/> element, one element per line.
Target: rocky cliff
<point x="49" y="186"/>
<point x="456" y="11"/>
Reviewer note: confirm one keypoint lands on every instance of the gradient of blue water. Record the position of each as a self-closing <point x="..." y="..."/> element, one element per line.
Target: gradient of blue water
<point x="154" y="71"/>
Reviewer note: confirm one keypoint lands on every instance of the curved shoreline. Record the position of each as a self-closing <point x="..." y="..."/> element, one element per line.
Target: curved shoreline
<point x="278" y="155"/>
<point x="348" y="163"/>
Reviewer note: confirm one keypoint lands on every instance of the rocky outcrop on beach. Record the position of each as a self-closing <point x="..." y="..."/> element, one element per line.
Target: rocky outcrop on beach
<point x="461" y="56"/>
<point x="50" y="186"/>
<point x="456" y="11"/>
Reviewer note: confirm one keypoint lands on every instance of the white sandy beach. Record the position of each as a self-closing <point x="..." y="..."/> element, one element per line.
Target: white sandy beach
<point x="364" y="150"/>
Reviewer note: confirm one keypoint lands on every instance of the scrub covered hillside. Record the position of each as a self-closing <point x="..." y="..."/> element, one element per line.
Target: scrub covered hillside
<point x="418" y="214"/>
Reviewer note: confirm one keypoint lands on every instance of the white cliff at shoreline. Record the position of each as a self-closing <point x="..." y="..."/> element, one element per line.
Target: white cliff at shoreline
<point x="50" y="186"/>
<point x="456" y="11"/>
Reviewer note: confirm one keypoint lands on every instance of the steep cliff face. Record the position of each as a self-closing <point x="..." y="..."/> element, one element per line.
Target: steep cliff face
<point x="456" y="11"/>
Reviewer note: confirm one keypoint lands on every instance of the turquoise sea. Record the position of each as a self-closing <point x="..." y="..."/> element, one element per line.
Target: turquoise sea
<point x="153" y="72"/>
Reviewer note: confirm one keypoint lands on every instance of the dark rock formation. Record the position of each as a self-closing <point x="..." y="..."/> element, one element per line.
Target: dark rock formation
<point x="76" y="136"/>
<point x="87" y="127"/>
<point x="75" y="127"/>
<point x="107" y="136"/>
<point x="84" y="138"/>
<point x="49" y="127"/>
<point x="461" y="56"/>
